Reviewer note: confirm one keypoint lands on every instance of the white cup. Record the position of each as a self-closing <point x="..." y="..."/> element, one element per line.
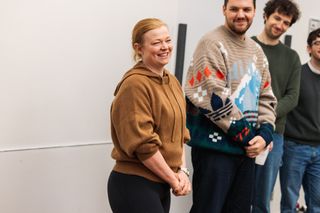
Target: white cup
<point x="262" y="157"/>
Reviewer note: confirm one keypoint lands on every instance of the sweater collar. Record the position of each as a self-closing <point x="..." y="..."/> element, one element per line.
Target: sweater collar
<point x="313" y="69"/>
<point x="234" y="37"/>
<point x="141" y="69"/>
<point x="279" y="44"/>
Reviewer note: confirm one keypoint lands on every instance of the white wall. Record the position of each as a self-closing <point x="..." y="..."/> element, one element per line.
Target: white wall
<point x="59" y="64"/>
<point x="300" y="29"/>
<point x="61" y="180"/>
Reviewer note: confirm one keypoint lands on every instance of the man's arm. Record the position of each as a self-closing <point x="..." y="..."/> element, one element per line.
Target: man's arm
<point x="266" y="109"/>
<point x="266" y="117"/>
<point x="290" y="100"/>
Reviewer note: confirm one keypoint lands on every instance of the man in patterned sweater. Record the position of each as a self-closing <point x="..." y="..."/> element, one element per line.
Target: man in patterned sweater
<point x="231" y="112"/>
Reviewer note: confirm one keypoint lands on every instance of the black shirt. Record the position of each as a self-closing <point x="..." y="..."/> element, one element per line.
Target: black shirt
<point x="303" y="123"/>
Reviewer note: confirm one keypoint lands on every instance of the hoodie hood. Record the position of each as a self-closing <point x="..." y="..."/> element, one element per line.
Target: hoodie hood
<point x="141" y="69"/>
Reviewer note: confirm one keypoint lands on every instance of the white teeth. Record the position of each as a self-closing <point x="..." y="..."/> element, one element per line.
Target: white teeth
<point x="163" y="54"/>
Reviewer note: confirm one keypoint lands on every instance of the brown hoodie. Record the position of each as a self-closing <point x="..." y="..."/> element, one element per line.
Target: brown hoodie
<point x="148" y="114"/>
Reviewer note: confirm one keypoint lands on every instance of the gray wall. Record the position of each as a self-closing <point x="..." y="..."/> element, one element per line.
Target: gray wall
<point x="60" y="62"/>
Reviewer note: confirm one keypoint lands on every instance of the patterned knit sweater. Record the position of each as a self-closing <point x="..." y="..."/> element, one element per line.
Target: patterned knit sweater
<point x="229" y="95"/>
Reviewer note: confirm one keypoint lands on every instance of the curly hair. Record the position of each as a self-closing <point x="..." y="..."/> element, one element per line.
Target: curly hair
<point x="286" y="7"/>
<point x="313" y="36"/>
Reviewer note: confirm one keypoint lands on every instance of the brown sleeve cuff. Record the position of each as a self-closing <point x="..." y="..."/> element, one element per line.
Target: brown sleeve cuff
<point x="146" y="150"/>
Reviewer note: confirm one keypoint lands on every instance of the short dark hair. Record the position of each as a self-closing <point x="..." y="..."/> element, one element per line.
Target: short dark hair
<point x="226" y="2"/>
<point x="313" y="36"/>
<point x="286" y="7"/>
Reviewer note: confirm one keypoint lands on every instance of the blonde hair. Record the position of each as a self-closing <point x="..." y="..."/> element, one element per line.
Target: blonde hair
<point x="140" y="29"/>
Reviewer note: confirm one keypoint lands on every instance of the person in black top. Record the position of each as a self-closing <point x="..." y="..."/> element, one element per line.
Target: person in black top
<point x="301" y="159"/>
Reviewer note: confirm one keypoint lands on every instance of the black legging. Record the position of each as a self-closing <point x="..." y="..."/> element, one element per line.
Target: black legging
<point x="135" y="194"/>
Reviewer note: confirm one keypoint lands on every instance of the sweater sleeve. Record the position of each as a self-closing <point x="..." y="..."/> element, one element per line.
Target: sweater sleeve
<point x="266" y="109"/>
<point x="207" y="88"/>
<point x="290" y="100"/>
<point x="186" y="135"/>
<point x="133" y="121"/>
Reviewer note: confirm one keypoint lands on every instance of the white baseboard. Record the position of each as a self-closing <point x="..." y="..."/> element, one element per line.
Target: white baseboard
<point x="58" y="146"/>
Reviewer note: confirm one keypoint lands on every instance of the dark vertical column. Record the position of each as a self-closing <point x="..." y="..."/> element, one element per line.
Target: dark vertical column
<point x="181" y="43"/>
<point x="287" y="40"/>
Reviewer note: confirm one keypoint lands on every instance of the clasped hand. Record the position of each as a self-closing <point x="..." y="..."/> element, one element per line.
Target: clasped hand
<point x="182" y="185"/>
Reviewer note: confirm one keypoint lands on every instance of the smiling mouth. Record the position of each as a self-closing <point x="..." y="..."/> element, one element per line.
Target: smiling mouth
<point x="241" y="22"/>
<point x="277" y="31"/>
<point x="163" y="55"/>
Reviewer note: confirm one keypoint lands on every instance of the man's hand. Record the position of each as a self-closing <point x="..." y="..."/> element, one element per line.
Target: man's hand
<point x="270" y="146"/>
<point x="255" y="147"/>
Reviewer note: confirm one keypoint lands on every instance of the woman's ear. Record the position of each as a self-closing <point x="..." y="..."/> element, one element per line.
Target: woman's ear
<point x="138" y="48"/>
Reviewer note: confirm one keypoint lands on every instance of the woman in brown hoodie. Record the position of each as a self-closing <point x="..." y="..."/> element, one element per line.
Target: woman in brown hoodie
<point x="148" y="127"/>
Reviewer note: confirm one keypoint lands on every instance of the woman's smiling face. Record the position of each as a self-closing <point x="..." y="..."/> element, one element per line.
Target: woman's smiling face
<point x="156" y="48"/>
